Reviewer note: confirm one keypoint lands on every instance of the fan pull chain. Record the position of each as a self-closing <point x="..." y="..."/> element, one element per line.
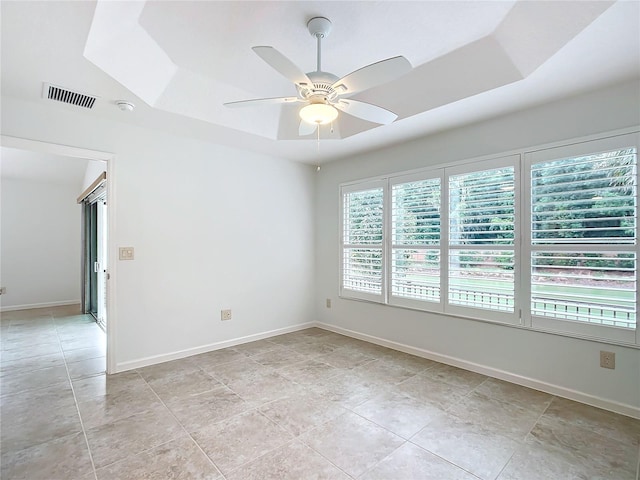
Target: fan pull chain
<point x="331" y="127"/>
<point x="318" y="130"/>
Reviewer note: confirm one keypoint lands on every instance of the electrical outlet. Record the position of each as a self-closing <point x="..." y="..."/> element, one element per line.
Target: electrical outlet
<point x="607" y="359"/>
<point x="3" y="290"/>
<point x="125" y="253"/>
<point x="328" y="303"/>
<point x="225" y="314"/>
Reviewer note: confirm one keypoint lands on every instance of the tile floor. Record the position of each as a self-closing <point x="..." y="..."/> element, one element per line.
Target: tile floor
<point x="306" y="405"/>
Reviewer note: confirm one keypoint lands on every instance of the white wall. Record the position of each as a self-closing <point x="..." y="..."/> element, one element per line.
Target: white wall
<point x="555" y="362"/>
<point x="212" y="228"/>
<point x="40" y="243"/>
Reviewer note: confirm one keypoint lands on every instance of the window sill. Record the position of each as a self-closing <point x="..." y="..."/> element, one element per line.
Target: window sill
<point x="545" y="330"/>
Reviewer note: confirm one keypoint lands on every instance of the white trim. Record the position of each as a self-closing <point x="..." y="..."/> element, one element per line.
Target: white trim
<point x="112" y="256"/>
<point x="408" y="302"/>
<point x="491" y="156"/>
<point x="112" y="251"/>
<point x="521" y="159"/>
<point x="54" y="148"/>
<point x="560" y="151"/>
<point x="29" y="306"/>
<point x="344" y="292"/>
<point x="165" y="357"/>
<point x="613" y="406"/>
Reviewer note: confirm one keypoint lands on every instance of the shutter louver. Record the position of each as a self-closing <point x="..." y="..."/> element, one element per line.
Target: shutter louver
<point x="583" y="233"/>
<point x="362" y="241"/>
<point x="415" y="232"/>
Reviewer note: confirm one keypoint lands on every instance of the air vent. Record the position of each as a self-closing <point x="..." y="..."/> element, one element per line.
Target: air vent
<point x="64" y="95"/>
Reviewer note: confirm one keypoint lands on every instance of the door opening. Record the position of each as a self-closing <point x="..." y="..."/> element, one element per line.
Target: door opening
<point x="99" y="161"/>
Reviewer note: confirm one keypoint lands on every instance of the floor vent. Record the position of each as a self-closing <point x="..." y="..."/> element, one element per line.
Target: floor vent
<point x="52" y="92"/>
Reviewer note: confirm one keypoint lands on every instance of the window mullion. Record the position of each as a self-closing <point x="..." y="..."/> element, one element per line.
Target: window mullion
<point x="579" y="201"/>
<point x="386" y="242"/>
<point x="525" y="243"/>
<point x="444" y="241"/>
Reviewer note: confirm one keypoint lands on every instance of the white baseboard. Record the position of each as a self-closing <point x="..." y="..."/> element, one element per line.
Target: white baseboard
<point x="29" y="306"/>
<point x="613" y="406"/>
<point x="152" y="360"/>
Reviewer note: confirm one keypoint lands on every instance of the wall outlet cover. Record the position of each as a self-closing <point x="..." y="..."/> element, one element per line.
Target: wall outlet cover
<point x="125" y="253"/>
<point x="225" y="314"/>
<point x="607" y="359"/>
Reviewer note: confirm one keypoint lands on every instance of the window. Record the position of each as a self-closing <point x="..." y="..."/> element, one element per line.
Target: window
<point x="553" y="250"/>
<point x="482" y="240"/>
<point x="583" y="239"/>
<point x="362" y="242"/>
<point x="415" y="241"/>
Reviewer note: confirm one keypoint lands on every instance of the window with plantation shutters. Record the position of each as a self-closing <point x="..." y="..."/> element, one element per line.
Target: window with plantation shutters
<point x="482" y="218"/>
<point x="583" y="237"/>
<point x="362" y="241"/>
<point x="544" y="239"/>
<point x="415" y="240"/>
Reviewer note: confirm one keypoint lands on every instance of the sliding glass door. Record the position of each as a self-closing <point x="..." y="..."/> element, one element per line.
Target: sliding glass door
<point x="95" y="255"/>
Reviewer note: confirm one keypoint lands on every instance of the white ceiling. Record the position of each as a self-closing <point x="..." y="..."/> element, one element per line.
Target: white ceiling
<point x="179" y="61"/>
<point x="42" y="167"/>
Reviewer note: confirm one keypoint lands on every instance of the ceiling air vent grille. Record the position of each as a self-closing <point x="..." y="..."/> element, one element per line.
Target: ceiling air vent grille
<point x="64" y="95"/>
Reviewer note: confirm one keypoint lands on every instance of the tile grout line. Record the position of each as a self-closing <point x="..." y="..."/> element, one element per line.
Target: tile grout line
<point x="255" y="409"/>
<point x="180" y="423"/>
<point x="446" y="410"/>
<point x="406" y="440"/>
<point x="320" y="453"/>
<point x="522" y="442"/>
<point x="75" y="400"/>
<point x="59" y="330"/>
<point x="390" y="453"/>
<point x="259" y="412"/>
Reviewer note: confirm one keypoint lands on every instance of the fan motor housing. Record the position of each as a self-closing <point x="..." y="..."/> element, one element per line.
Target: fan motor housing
<point x="322" y="85"/>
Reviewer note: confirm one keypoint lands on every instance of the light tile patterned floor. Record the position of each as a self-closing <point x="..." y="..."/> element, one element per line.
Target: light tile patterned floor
<point x="306" y="405"/>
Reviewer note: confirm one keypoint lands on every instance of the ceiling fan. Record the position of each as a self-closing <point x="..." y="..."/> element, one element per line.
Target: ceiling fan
<point x="323" y="93"/>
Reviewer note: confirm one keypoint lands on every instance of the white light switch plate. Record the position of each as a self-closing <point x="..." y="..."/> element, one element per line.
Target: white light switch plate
<point x="126" y="253"/>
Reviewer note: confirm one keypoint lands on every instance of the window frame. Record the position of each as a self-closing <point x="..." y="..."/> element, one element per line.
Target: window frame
<point x="355" y="294"/>
<point x="575" y="328"/>
<point x="521" y="317"/>
<point x="480" y="313"/>
<point x="398" y="301"/>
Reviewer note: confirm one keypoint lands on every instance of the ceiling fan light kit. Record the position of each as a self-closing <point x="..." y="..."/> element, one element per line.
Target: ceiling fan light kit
<point x="318" y="113"/>
<point x="323" y="93"/>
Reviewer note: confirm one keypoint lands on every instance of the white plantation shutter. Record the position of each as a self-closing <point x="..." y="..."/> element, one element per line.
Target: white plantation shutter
<point x="415" y="241"/>
<point x="362" y="241"/>
<point x="482" y="247"/>
<point x="546" y="239"/>
<point x="583" y="233"/>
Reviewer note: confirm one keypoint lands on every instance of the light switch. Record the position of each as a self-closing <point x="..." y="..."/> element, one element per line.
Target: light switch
<point x="126" y="253"/>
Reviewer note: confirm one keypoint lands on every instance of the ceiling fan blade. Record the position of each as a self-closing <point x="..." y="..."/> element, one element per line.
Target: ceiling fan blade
<point x="375" y="74"/>
<point x="366" y="111"/>
<point x="261" y="101"/>
<point x="283" y="65"/>
<point x="306" y="128"/>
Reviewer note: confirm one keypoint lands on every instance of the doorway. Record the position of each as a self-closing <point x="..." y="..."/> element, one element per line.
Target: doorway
<point x="106" y="218"/>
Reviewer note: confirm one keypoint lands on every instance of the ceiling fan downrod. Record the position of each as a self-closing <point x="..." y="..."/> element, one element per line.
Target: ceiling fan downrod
<point x="319" y="27"/>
